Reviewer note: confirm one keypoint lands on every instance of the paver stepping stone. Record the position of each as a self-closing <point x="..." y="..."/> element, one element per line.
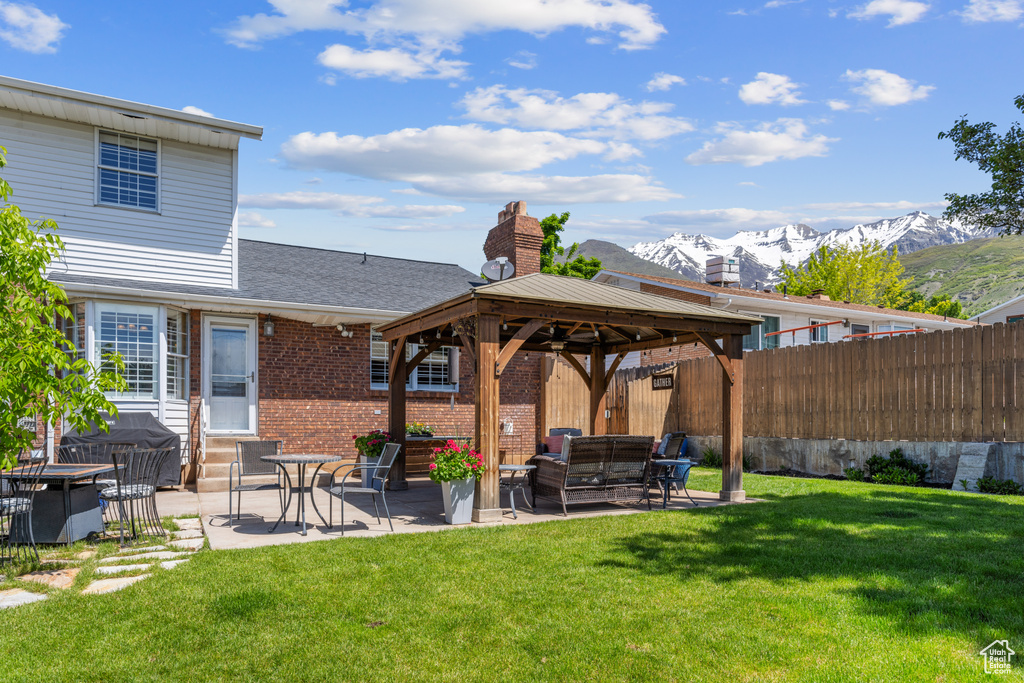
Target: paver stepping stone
<point x="18" y="596"/>
<point x="160" y="555"/>
<point x="86" y="555"/>
<point x="57" y="578"/>
<point x="120" y="568"/>
<point x="171" y="564"/>
<point x="188" y="533"/>
<point x="189" y="523"/>
<point x="110" y="585"/>
<point x="145" y="549"/>
<point x="189" y="543"/>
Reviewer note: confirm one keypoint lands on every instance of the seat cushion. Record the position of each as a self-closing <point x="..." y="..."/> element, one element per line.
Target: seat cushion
<point x="128" y="492"/>
<point x="553" y="444"/>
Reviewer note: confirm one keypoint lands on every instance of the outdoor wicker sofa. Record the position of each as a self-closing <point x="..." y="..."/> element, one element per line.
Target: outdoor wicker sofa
<point x="596" y="469"/>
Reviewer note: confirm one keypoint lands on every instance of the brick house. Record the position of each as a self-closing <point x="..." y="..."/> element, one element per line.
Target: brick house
<point x="274" y="341"/>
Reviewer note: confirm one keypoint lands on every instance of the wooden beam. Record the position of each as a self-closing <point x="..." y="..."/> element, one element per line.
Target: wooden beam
<point x="468" y="347"/>
<point x="615" y="364"/>
<point x="513" y="344"/>
<point x="397" y="350"/>
<point x="577" y="366"/>
<point x="598" y="388"/>
<point x="720" y="354"/>
<point x="573" y="329"/>
<point x="682" y="338"/>
<point x="429" y="321"/>
<point x="421" y="355"/>
<point x="732" y="422"/>
<point x="486" y="503"/>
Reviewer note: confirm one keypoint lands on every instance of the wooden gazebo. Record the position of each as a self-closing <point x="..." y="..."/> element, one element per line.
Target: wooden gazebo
<point x="570" y="317"/>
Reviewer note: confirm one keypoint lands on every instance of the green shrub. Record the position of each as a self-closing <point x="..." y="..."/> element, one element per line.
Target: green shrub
<point x="854" y="474"/>
<point x="711" y="458"/>
<point x="747" y="463"/>
<point x="1005" y="487"/>
<point x="896" y="469"/>
<point x="897" y="477"/>
<point x="966" y="484"/>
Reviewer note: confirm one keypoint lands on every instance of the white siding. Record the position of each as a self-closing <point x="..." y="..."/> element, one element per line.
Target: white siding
<point x="176" y="419"/>
<point x="1011" y="309"/>
<point x="52" y="169"/>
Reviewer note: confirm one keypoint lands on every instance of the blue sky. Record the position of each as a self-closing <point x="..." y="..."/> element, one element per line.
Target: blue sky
<point x="401" y="127"/>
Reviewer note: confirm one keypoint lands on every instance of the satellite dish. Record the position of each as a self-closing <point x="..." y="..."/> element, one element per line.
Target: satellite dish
<point x="498" y="269"/>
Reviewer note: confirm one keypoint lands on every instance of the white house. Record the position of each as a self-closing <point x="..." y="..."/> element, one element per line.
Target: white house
<point x="1007" y="312"/>
<point x="800" y="319"/>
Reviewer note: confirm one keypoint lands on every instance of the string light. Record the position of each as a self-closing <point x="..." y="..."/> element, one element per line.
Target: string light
<point x="638" y="336"/>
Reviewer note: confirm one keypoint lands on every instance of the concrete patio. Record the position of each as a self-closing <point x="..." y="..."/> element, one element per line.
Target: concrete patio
<point x="414" y="510"/>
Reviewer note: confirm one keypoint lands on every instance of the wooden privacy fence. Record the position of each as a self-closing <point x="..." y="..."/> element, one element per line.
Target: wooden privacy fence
<point x="960" y="385"/>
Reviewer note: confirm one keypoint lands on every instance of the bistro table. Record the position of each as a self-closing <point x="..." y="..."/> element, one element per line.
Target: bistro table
<point x="72" y="512"/>
<point x="302" y="461"/>
<point x="666" y="474"/>
<point x="512" y="485"/>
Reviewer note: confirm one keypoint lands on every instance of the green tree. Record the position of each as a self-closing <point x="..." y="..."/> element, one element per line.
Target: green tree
<point x="1002" y="157"/>
<point x="38" y="375"/>
<point x="580" y="267"/>
<point x="936" y="305"/>
<point x="868" y="274"/>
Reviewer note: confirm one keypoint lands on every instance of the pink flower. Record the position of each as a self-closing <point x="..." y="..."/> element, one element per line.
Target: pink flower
<point x="354" y="436"/>
<point x="433" y="466"/>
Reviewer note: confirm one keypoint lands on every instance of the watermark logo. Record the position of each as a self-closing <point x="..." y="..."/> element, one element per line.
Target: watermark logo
<point x="997" y="657"/>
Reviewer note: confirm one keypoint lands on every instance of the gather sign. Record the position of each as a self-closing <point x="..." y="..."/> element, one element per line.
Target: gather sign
<point x="661" y="382"/>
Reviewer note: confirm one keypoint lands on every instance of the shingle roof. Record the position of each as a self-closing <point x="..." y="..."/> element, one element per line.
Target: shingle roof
<point x="306" y="275"/>
<point x="778" y="296"/>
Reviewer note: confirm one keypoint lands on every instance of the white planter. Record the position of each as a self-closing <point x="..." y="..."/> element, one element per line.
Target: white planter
<point x="458" y="500"/>
<point x="367" y="474"/>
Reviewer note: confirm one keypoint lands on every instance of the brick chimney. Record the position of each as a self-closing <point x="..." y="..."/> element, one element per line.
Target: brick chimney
<point x="518" y="237"/>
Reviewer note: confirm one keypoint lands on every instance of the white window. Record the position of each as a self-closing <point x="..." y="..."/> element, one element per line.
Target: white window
<point x="894" y="327"/>
<point x="74" y="331"/>
<point x="818" y="334"/>
<point x="131" y="332"/>
<point x="127" y="172"/>
<point x="437" y="372"/>
<point x="757" y="340"/>
<point x="177" y="355"/>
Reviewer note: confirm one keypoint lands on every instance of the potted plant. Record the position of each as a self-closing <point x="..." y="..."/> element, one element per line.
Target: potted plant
<point x="419" y="429"/>
<point x="455" y="467"/>
<point x="370" y="446"/>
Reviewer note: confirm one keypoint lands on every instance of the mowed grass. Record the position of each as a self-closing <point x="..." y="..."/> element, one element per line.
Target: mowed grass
<point x="827" y="581"/>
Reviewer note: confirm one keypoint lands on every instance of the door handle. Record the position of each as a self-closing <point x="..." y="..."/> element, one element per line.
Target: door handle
<point x="252" y="376"/>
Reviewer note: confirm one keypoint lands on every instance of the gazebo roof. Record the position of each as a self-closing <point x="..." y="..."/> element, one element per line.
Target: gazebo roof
<point x="577" y="312"/>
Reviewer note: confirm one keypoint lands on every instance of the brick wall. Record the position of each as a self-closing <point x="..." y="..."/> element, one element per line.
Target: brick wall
<point x="673" y="354"/>
<point x="518" y="237"/>
<point x="675" y="294"/>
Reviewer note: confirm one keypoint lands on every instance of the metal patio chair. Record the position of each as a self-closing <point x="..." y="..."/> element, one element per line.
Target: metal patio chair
<point x="95" y="454"/>
<point x="672" y="447"/>
<point x="378" y="477"/>
<point x="133" y="495"/>
<point x="17" y="495"/>
<point x="248" y="464"/>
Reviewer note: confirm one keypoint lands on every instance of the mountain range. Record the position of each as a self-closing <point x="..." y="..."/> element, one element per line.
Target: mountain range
<point x="760" y="253"/>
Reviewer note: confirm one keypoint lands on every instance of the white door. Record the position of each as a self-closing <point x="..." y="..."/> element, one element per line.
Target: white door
<point x="229" y="384"/>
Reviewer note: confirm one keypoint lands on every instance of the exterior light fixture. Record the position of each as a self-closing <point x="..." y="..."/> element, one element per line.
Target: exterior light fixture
<point x="268" y="327"/>
<point x="674" y="339"/>
<point x="557" y="346"/>
<point x="439" y="333"/>
<point x="638" y="335"/>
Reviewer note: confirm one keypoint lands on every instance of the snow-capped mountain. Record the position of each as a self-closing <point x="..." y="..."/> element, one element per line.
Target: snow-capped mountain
<point x="761" y="252"/>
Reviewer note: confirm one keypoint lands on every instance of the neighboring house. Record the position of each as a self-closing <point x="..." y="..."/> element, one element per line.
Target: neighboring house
<point x="276" y="340"/>
<point x="786" y="312"/>
<point x="1007" y="312"/>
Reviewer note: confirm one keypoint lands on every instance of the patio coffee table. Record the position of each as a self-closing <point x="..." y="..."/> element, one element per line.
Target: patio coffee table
<point x="668" y="466"/>
<point x="300" y="460"/>
<point x="71" y="512"/>
<point x="512" y="485"/>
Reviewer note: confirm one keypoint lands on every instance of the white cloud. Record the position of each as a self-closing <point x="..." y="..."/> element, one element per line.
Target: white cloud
<point x="748" y="183"/>
<point x="437" y="151"/>
<point x="664" y="81"/>
<point x="902" y="206"/>
<point x="770" y="88"/>
<point x="748" y="218"/>
<point x="993" y="10"/>
<point x="900" y="12"/>
<point x="345" y="205"/>
<point x="541" y="189"/>
<point x="591" y="114"/>
<point x="394" y="63"/>
<point x="524" y="59"/>
<point x="251" y="219"/>
<point x="197" y="111"/>
<point x="838" y="105"/>
<point x="429" y="22"/>
<point x="886" y="89"/>
<point x="25" y="27"/>
<point x="783" y="139"/>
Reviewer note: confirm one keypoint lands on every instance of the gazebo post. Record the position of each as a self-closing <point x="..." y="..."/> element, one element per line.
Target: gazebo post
<point x="598" y="387"/>
<point x="396" y="412"/>
<point x="486" y="502"/>
<point x="732" y="421"/>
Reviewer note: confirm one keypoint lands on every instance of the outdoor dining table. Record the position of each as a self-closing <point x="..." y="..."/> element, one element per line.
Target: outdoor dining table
<point x="665" y="476"/>
<point x="72" y="511"/>
<point x="302" y="461"/>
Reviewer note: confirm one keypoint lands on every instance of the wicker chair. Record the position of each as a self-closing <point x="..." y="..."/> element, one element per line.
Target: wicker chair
<point x="133" y="495"/>
<point x="17" y="494"/>
<point x="248" y="464"/>
<point x="597" y="469"/>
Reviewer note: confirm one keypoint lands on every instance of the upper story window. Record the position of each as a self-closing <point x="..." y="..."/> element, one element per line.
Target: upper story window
<point x="128" y="171"/>
<point x="437" y="372"/>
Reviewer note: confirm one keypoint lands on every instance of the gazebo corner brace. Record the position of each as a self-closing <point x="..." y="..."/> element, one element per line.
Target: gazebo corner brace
<point x="513" y="344"/>
<point x="719" y="353"/>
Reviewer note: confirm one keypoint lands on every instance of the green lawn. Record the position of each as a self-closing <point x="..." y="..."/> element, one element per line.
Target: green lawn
<point x="829" y="581"/>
